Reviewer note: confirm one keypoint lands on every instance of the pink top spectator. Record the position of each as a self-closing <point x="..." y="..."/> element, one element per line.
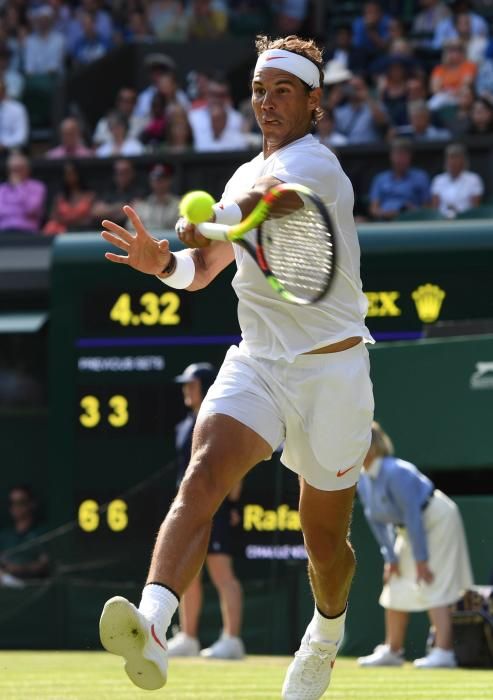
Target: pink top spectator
<point x="80" y="151"/>
<point x="22" y="205"/>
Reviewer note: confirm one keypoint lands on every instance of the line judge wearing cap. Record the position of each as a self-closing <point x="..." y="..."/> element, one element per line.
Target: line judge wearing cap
<point x="300" y="375"/>
<point x="196" y="380"/>
<point x="159" y="211"/>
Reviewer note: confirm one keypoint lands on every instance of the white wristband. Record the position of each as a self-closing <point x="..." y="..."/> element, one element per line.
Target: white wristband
<point x="184" y="272"/>
<point x="227" y="212"/>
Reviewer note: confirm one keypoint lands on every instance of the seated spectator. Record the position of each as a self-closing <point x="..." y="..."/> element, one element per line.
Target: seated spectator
<point x="482" y="116"/>
<point x="289" y="15"/>
<point x="71" y="143"/>
<point x="138" y="30"/>
<point x="14" y="82"/>
<point x="125" y="105"/>
<point x="19" y="563"/>
<point x="417" y="88"/>
<point x="206" y="21"/>
<point x="159" y="211"/>
<point x="217" y="126"/>
<point x="457" y="189"/>
<point x="325" y="131"/>
<point x="447" y="30"/>
<point x="179" y="133"/>
<point x="168" y="19"/>
<point x="44" y="47"/>
<point x="14" y="121"/>
<point x="248" y="17"/>
<point x="22" y="199"/>
<point x="155" y="133"/>
<point x="123" y="189"/>
<point x="197" y="87"/>
<point x="459" y="121"/>
<point x="371" y="31"/>
<point x="90" y="45"/>
<point x="361" y="119"/>
<point x="102" y="19"/>
<point x="400" y="189"/>
<point x="342" y="52"/>
<point x="392" y="88"/>
<point x="426" y="21"/>
<point x="475" y="44"/>
<point x="484" y="80"/>
<point x="158" y="65"/>
<point x="451" y="75"/>
<point x="121" y="143"/>
<point x="72" y="207"/>
<point x="420" y="127"/>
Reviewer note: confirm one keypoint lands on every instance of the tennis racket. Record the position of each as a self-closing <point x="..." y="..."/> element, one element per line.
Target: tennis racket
<point x="294" y="249"/>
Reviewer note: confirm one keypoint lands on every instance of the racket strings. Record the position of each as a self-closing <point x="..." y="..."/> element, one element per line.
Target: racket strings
<point x="299" y="251"/>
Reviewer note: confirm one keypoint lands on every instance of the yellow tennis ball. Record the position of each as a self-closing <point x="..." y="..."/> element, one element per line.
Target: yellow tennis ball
<point x="196" y="206"/>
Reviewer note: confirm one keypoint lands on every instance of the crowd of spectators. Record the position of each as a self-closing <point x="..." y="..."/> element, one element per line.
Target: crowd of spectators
<point x="425" y="77"/>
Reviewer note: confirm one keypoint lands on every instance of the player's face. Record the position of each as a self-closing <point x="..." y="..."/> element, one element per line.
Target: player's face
<point x="283" y="107"/>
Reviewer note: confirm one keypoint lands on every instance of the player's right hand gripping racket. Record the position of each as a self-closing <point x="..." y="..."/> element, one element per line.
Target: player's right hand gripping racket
<point x="295" y="251"/>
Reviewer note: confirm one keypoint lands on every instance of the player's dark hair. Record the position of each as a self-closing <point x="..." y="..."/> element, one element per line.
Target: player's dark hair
<point x="303" y="47"/>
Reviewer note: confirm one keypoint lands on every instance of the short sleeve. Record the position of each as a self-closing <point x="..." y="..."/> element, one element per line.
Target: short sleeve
<point x="476" y="186"/>
<point x="312" y="169"/>
<point x="436" y="185"/>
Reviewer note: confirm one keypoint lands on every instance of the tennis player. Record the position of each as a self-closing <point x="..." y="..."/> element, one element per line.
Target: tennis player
<point x="300" y="375"/>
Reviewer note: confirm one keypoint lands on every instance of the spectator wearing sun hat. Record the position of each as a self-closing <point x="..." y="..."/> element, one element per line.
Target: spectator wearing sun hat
<point x="159" y="211"/>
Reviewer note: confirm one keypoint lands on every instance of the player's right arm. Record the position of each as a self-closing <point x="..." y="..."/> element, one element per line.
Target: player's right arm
<point x="146" y="254"/>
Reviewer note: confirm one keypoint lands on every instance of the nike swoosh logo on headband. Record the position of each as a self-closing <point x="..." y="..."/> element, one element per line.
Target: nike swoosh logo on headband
<point x="271" y="58"/>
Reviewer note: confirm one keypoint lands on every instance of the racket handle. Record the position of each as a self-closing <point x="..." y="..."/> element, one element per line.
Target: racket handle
<point x="216" y="232"/>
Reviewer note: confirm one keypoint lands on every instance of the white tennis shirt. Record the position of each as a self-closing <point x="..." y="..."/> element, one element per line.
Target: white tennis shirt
<point x="271" y="327"/>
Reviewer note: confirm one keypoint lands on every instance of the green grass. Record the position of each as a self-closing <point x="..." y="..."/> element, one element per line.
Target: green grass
<point x="99" y="676"/>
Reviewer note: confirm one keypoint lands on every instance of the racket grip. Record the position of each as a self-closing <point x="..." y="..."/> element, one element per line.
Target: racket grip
<point x="216" y="232"/>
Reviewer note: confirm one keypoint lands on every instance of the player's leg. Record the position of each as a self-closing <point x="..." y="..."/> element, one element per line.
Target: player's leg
<point x="229" y="646"/>
<point x="186" y="641"/>
<point x="325" y="518"/>
<point x="223" y="451"/>
<point x="391" y="653"/>
<point x="442" y="654"/>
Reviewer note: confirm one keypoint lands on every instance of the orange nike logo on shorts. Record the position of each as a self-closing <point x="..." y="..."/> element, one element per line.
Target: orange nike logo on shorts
<point x="341" y="472"/>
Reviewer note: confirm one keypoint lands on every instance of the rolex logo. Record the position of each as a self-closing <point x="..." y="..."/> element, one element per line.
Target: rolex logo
<point x="428" y="299"/>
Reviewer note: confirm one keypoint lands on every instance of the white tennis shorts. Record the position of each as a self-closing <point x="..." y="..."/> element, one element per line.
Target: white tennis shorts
<point x="319" y="406"/>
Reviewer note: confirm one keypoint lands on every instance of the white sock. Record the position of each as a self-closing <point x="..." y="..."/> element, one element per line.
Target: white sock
<point x="323" y="629"/>
<point x="158" y="605"/>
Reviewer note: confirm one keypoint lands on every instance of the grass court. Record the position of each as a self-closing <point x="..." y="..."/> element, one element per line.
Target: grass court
<point x="99" y="676"/>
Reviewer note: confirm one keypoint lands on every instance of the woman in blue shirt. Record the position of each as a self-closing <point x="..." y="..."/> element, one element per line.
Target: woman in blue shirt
<point x="423" y="544"/>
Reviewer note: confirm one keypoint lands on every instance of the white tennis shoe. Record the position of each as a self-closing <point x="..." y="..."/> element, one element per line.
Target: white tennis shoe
<point x="437" y="658"/>
<point x="226" y="647"/>
<point x="126" y="632"/>
<point x="308" y="676"/>
<point x="183" y="645"/>
<point x="382" y="656"/>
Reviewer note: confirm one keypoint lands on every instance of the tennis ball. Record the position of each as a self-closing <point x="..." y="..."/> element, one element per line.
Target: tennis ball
<point x="196" y="206"/>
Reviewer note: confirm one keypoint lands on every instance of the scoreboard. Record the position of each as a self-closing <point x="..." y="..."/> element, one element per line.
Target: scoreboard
<point x="118" y="338"/>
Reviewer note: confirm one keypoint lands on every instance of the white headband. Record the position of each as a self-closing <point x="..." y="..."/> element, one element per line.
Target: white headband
<point x="291" y="62"/>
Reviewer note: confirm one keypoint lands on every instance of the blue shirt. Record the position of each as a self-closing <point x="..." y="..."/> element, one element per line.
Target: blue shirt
<point x="445" y="30"/>
<point x="394" y="493"/>
<point x="395" y="193"/>
<point x="361" y="38"/>
<point x="356" y="123"/>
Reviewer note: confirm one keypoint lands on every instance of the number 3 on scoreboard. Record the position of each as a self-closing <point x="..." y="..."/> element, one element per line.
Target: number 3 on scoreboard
<point x="92" y="411"/>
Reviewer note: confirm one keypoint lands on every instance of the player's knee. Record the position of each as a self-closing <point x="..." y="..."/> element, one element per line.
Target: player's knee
<point x="327" y="551"/>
